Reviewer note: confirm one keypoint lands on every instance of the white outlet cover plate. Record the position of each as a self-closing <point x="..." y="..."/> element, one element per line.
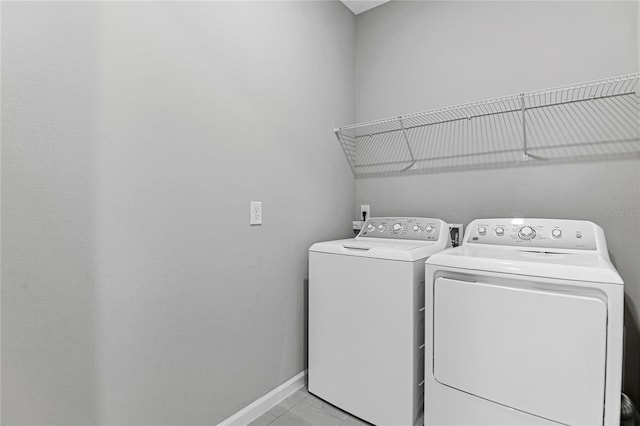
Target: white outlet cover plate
<point x="255" y="213"/>
<point x="365" y="208"/>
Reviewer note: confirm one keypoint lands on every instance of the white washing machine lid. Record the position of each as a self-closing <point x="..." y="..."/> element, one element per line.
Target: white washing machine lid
<point x="401" y="250"/>
<point x="586" y="267"/>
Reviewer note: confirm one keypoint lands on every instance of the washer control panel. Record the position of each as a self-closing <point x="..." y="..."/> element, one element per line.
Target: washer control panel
<point x="403" y="228"/>
<point x="535" y="233"/>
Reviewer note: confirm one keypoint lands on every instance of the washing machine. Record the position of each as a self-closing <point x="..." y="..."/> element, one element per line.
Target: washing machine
<point x="366" y="318"/>
<point x="524" y="326"/>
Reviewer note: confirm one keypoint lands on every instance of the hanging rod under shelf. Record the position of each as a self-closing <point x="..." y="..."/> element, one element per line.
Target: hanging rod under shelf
<point x="597" y="119"/>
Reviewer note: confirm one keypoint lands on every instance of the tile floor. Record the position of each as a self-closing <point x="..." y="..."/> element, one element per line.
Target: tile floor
<point x="303" y="409"/>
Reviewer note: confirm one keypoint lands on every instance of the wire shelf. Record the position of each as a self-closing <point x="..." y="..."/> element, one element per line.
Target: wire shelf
<point x="596" y="120"/>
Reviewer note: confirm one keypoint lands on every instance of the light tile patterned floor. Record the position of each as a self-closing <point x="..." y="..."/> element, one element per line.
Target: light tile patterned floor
<point x="303" y="409"/>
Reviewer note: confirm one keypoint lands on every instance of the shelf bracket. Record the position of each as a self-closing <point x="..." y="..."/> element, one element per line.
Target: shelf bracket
<point x="413" y="164"/>
<point x="525" y="154"/>
<point x="350" y="159"/>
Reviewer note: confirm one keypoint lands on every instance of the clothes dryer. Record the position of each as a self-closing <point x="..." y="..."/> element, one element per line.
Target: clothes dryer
<point x="524" y="326"/>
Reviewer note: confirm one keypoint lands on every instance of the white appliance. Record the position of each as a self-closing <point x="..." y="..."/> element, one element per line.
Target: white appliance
<point x="524" y="327"/>
<point x="366" y="318"/>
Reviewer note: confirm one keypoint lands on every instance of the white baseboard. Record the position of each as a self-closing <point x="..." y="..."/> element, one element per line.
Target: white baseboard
<point x="266" y="402"/>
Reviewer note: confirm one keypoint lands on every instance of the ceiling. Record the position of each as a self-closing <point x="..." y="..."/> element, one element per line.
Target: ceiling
<point x="359" y="6"/>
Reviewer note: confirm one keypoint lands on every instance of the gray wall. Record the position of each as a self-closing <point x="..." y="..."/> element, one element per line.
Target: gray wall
<point x="134" y="136"/>
<point x="414" y="56"/>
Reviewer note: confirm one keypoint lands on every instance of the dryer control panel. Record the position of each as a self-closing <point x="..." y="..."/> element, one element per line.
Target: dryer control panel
<point x="535" y="233"/>
<point x="403" y="228"/>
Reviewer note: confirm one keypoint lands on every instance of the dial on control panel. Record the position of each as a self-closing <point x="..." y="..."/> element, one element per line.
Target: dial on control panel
<point x="429" y="229"/>
<point x="527" y="233"/>
<point x="381" y="228"/>
<point x="416" y="228"/>
<point x="397" y="228"/>
<point x="482" y="230"/>
<point x="556" y="233"/>
<point x="370" y="228"/>
<point x="499" y="231"/>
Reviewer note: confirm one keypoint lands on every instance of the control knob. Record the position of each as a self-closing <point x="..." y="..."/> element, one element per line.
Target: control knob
<point x="556" y="233"/>
<point x="371" y="228"/>
<point x="397" y="228"/>
<point x="482" y="230"/>
<point x="381" y="228"/>
<point x="429" y="229"/>
<point x="527" y="233"/>
<point x="416" y="228"/>
<point x="499" y="231"/>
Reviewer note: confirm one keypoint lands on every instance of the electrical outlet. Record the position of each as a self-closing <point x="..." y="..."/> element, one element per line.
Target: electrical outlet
<point x="365" y="208"/>
<point x="255" y="213"/>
